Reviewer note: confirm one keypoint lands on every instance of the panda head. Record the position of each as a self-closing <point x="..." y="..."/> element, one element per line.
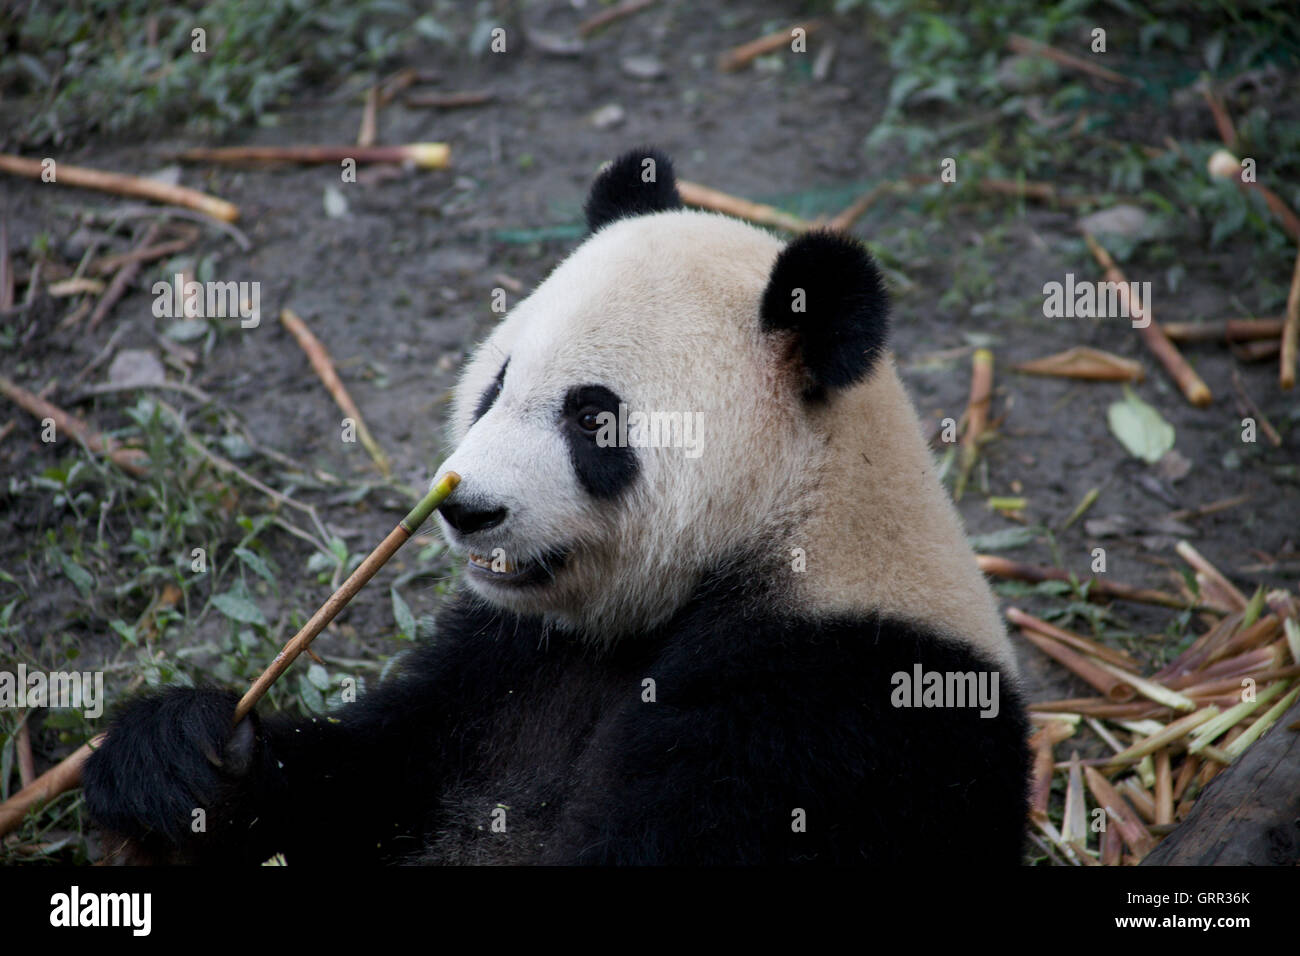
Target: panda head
<point x="650" y="413"/>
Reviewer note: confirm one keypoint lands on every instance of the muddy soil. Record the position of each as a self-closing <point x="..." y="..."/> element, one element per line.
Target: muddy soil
<point x="400" y="287"/>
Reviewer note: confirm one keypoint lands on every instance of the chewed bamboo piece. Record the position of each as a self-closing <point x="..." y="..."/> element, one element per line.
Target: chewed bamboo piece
<point x="66" y="774"/>
<point x="131" y="460"/>
<point x="1085" y="363"/>
<point x="324" y="366"/>
<point x="977" y="416"/>
<point x="702" y="197"/>
<point x="1196" y="391"/>
<point x="122" y="185"/>
<point x="741" y="56"/>
<point x="422" y="155"/>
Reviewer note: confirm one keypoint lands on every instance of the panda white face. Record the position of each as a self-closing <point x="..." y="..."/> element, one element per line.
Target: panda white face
<point x="625" y="427"/>
<point x="646" y="415"/>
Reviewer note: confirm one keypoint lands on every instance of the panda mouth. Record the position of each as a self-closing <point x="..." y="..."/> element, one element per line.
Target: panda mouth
<point x="503" y="571"/>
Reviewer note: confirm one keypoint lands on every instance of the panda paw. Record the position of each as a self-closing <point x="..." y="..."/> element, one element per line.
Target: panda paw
<point x="174" y="779"/>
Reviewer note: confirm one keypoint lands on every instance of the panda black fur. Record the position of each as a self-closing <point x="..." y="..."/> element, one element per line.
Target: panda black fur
<point x="650" y="682"/>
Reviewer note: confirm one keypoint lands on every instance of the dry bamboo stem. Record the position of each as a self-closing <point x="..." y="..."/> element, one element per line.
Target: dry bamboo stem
<point x="62" y="777"/>
<point x="108" y="264"/>
<point x="1000" y="567"/>
<point x="1077" y="641"/>
<point x="608" y="16"/>
<point x="1196" y="391"/>
<point x="693" y="194"/>
<point x="324" y="366"/>
<point x="424" y="155"/>
<point x="1291" y="329"/>
<point x="121" y="184"/>
<point x="1132" y="831"/>
<point x="1028" y="47"/>
<point x="1258" y="413"/>
<point x="1220" y="584"/>
<point x="843" y="221"/>
<point x="128" y="459"/>
<point x="1164" y="788"/>
<point x="1227" y="330"/>
<point x="1115" y="688"/>
<point x="122" y="280"/>
<point x="1221" y="118"/>
<point x="977" y="415"/>
<point x="369" y="119"/>
<point x="450" y="101"/>
<point x="1085" y="363"/>
<point x="738" y="57"/>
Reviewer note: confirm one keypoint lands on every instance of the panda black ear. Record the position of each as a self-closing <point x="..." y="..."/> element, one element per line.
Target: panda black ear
<point x="639" y="182"/>
<point x="826" y="288"/>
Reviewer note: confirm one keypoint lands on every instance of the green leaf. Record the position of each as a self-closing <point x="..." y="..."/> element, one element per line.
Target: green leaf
<point x="1005" y="539"/>
<point x="256" y="564"/>
<point x="239" y="608"/>
<point x="78" y="575"/>
<point x="318" y="677"/>
<point x="125" y="630"/>
<point x="402" y="612"/>
<point x="1139" y="428"/>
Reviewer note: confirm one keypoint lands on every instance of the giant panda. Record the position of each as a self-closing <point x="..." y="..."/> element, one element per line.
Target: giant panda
<point x="731" y="648"/>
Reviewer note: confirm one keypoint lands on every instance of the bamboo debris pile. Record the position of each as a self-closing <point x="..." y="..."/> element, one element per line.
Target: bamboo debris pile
<point x="1169" y="733"/>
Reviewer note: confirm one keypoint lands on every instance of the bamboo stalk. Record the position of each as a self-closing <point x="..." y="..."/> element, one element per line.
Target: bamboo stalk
<point x="1164" y="789"/>
<point x="1261" y="726"/>
<point x="1150" y="689"/>
<point x="121" y="184"/>
<point x="450" y="101"/>
<point x="1222" y="587"/>
<point x="1212" y="730"/>
<point x="844" y="220"/>
<point x="340" y="598"/>
<point x="1227" y="330"/>
<point x="999" y="567"/>
<point x="977" y="415"/>
<point x="1254" y="410"/>
<point x="1116" y="688"/>
<point x="423" y="155"/>
<point x="324" y="366"/>
<point x="1134" y="834"/>
<point x="1084" y="363"/>
<point x="605" y="17"/>
<point x="122" y="280"/>
<point x="1227" y="685"/>
<point x="1028" y="47"/>
<point x="702" y="197"/>
<point x="1143" y="802"/>
<point x="1196" y="391"/>
<point x="740" y="56"/>
<point x="67" y="774"/>
<point x="1170" y="733"/>
<point x="1291" y="329"/>
<point x="62" y="777"/>
<point x="130" y="460"/>
<point x="1076" y="641"/>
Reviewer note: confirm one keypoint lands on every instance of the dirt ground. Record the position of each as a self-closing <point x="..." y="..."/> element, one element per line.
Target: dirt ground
<point x="399" y="289"/>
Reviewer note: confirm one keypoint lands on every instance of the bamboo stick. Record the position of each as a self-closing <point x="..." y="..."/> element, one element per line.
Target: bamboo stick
<point x="123" y="185"/>
<point x="702" y="197"/>
<point x="977" y="415"/>
<point x="1076" y="641"/>
<point x="67" y="773"/>
<point x="1291" y="329"/>
<point x="1196" y="391"/>
<point x="423" y="155"/>
<point x="1117" y="688"/>
<point x="324" y="366"/>
<point x="1227" y="330"/>
<point x="740" y="56"/>
<point x="131" y="460"/>
<point x="999" y="567"/>
<point x="1028" y="47"/>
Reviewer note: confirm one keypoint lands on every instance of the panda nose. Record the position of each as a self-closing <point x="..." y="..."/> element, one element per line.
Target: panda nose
<point x="470" y="517"/>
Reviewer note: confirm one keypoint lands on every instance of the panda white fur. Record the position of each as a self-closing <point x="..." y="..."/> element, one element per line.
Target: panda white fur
<point x="664" y="654"/>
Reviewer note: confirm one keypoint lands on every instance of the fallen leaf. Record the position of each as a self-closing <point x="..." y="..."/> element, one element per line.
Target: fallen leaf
<point x="1140" y="428"/>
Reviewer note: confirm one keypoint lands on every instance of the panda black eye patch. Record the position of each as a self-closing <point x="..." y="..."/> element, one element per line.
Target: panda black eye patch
<point x="490" y="393"/>
<point x="603" y="471"/>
